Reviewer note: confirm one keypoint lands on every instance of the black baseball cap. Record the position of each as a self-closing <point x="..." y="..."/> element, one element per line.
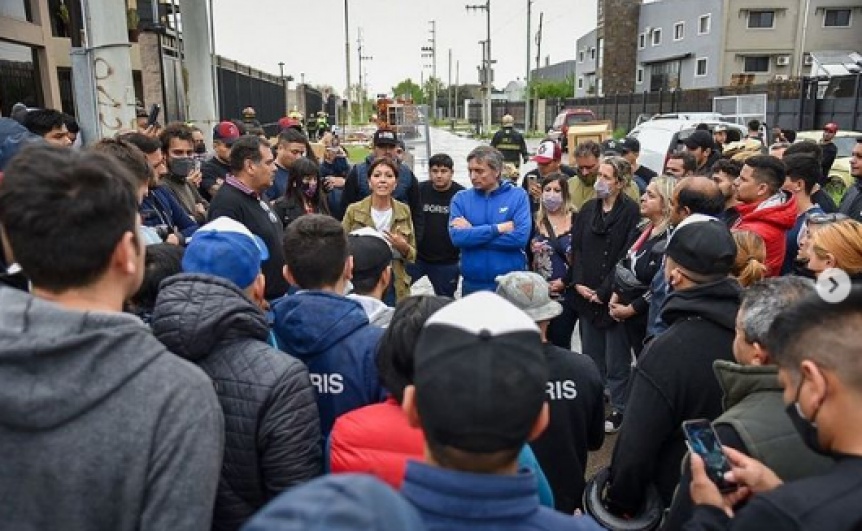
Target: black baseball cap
<point x="621" y="146"/>
<point x="700" y="139"/>
<point x="371" y="253"/>
<point x="385" y="137"/>
<point x="703" y="247"/>
<point x="480" y="375"/>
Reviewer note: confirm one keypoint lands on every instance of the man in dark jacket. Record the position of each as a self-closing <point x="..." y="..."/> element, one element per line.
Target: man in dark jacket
<point x="319" y="325"/>
<point x="101" y="427"/>
<point x="356" y="187"/>
<point x="702" y="146"/>
<point x="815" y="344"/>
<point x="215" y="170"/>
<point x="851" y="203"/>
<point x="574" y="392"/>
<point x="510" y="142"/>
<point x="211" y="315"/>
<point x="830" y="150"/>
<point x="754" y="421"/>
<point x="241" y="198"/>
<point x="673" y="380"/>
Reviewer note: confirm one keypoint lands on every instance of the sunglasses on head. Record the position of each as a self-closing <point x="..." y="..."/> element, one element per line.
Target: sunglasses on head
<point x="821" y="219"/>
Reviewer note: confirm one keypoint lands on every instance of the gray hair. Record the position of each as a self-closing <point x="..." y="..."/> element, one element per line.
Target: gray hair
<point x="764" y="300"/>
<point x="489" y="155"/>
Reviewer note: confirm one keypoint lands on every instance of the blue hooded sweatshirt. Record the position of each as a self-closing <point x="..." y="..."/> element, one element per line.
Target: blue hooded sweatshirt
<point x="332" y="336"/>
<point x="485" y="252"/>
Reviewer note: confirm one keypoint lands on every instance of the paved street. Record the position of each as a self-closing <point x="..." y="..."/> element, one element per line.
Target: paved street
<point x="442" y="141"/>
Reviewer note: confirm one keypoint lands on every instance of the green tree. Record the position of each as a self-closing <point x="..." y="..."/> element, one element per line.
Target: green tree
<point x="408" y="88"/>
<point x="544" y="89"/>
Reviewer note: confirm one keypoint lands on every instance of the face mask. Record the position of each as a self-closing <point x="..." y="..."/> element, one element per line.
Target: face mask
<point x="552" y="201"/>
<point x="200" y="149"/>
<point x="807" y="429"/>
<point x="603" y="189"/>
<point x="309" y="189"/>
<point x="181" y="167"/>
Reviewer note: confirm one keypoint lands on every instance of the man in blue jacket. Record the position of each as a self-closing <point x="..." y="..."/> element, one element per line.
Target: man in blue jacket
<point x="490" y="223"/>
<point x="319" y="325"/>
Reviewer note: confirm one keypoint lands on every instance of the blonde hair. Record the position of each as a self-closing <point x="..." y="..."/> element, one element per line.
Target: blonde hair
<point x="843" y="241"/>
<point x="664" y="185"/>
<point x="563" y="181"/>
<point x="622" y="168"/>
<point x="750" y="264"/>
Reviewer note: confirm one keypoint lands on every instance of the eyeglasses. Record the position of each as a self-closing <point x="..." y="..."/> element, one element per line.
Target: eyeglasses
<point x="822" y="219"/>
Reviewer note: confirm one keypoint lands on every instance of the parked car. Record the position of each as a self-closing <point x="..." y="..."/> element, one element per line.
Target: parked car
<point x="660" y="138"/>
<point x="839" y="175"/>
<point x="560" y="128"/>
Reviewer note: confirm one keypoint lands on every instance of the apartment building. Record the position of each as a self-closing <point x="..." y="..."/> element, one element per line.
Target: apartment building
<point x="689" y="44"/>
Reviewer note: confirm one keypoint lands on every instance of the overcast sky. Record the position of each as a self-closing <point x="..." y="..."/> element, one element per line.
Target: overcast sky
<point x="310" y="38"/>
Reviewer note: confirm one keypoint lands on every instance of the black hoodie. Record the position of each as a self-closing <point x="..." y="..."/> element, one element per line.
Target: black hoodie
<point x="673" y="382"/>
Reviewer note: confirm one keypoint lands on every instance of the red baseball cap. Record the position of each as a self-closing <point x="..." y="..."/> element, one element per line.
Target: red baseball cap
<point x="288" y="122"/>
<point x="548" y="151"/>
<point x="226" y="132"/>
<point x="831" y="127"/>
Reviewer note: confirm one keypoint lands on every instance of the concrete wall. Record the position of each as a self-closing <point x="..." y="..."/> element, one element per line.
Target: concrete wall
<point x="663" y="16"/>
<point x="585" y="65"/>
<point x="555" y="72"/>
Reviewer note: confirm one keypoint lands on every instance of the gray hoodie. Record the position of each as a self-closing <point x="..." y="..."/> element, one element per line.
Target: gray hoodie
<point x="101" y="428"/>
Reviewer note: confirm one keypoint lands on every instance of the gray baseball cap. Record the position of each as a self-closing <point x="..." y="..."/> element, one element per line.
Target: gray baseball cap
<point x="529" y="292"/>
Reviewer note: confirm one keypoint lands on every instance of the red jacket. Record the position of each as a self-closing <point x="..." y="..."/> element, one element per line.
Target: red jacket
<point x="771" y="223"/>
<point x="377" y="440"/>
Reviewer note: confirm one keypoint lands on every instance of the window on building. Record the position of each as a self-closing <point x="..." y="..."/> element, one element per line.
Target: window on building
<point x="703" y="24"/>
<point x="836" y="18"/>
<point x="640" y="76"/>
<point x="756" y="64"/>
<point x="678" y="31"/>
<point x="16" y="9"/>
<point x="580" y="83"/>
<point x="19" y="77"/>
<point x="656" y="36"/>
<point x="601" y="52"/>
<point x="700" y="67"/>
<point x="592" y="54"/>
<point x="581" y="56"/>
<point x="642" y="41"/>
<point x="761" y="19"/>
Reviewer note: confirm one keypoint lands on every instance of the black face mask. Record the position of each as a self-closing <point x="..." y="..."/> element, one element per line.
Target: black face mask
<point x="201" y="148"/>
<point x="807" y="429"/>
<point x="180" y="166"/>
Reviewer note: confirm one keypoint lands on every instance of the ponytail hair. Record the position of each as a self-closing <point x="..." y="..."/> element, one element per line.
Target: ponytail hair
<point x="750" y="264"/>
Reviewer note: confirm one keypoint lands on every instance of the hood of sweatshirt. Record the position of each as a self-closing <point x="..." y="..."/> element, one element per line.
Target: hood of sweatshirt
<point x="57" y="364"/>
<point x="717" y="302"/>
<point x="779" y="210"/>
<point x="310" y="322"/>
<point x="194" y="313"/>
<point x="379" y="314"/>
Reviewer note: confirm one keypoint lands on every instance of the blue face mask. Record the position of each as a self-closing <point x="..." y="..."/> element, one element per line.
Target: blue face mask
<point x="602" y="188"/>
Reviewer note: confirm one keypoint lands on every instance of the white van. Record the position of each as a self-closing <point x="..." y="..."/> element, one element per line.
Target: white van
<point x="660" y="138"/>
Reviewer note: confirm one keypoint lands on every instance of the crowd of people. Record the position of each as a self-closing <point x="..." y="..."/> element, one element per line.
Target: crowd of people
<point x="228" y="340"/>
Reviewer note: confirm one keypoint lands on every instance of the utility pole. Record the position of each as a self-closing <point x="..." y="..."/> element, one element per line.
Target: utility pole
<point x="487" y="62"/>
<point x="110" y="95"/>
<point x="527" y="76"/>
<point x="538" y="52"/>
<point x="360" y="87"/>
<point x="457" y="84"/>
<point x="449" y="90"/>
<point x="430" y="52"/>
<point x="347" y="59"/>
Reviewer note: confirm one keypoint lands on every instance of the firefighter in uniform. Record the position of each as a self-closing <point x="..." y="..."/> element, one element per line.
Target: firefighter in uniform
<point x="510" y="142"/>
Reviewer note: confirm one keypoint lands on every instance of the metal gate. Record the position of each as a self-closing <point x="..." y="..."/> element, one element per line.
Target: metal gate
<point x="741" y="109"/>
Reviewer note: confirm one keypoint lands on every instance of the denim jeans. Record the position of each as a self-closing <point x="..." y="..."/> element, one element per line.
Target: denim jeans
<point x="609" y="348"/>
<point x="443" y="277"/>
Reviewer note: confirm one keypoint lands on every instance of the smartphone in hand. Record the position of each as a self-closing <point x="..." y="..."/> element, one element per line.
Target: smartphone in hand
<point x="154" y="114"/>
<point x="703" y="441"/>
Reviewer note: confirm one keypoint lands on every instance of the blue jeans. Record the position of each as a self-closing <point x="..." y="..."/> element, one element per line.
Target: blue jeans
<point x="443" y="277"/>
<point x="609" y="348"/>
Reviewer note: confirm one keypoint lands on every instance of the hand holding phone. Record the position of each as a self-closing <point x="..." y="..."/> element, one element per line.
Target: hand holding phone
<point x="703" y="441"/>
<point x="154" y="114"/>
